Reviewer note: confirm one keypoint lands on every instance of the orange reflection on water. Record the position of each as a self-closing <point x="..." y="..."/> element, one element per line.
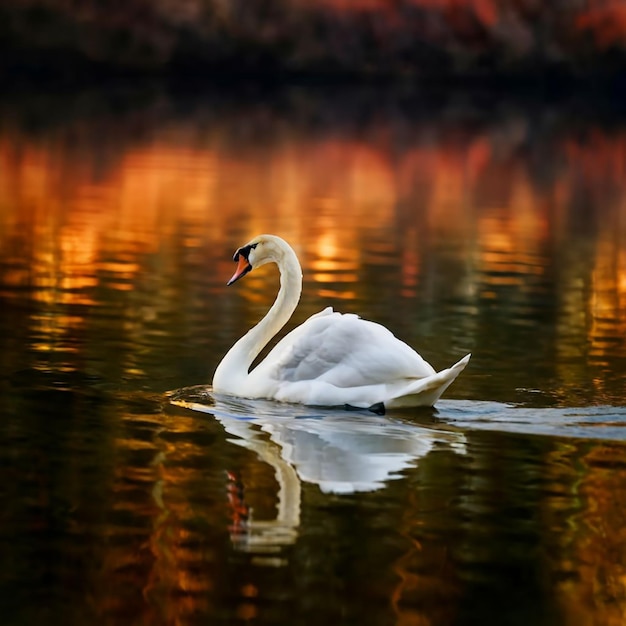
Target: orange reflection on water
<point x="608" y="299"/>
<point x="159" y="565"/>
<point x="355" y="205"/>
<point x="593" y="589"/>
<point x="512" y="245"/>
<point x="102" y="246"/>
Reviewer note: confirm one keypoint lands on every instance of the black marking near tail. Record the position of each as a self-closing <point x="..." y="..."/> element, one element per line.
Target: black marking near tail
<point x="378" y="408"/>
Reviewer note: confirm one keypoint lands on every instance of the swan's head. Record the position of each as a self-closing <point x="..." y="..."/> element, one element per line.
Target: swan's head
<point x="258" y="251"/>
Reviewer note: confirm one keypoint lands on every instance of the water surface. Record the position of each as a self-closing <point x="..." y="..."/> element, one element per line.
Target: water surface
<point x="132" y="495"/>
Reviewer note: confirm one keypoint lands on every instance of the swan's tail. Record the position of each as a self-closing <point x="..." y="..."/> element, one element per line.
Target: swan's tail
<point x="426" y="391"/>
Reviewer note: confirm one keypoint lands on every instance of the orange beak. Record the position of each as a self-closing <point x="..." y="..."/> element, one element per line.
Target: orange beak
<point x="243" y="267"/>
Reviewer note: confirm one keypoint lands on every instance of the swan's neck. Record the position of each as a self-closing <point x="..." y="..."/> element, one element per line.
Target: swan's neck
<point x="232" y="372"/>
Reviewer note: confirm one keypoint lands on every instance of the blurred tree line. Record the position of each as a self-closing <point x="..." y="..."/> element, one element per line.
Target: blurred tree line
<point x="362" y="37"/>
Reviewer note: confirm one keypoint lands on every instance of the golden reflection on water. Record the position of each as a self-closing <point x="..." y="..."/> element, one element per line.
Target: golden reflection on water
<point x="102" y="238"/>
<point x="591" y="535"/>
<point x="364" y="215"/>
<point x="319" y="192"/>
<point x="412" y="216"/>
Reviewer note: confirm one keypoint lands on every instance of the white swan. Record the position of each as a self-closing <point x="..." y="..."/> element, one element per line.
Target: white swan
<point x="331" y="359"/>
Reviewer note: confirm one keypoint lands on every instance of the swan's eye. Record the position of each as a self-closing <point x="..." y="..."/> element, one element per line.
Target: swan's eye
<point x="244" y="251"/>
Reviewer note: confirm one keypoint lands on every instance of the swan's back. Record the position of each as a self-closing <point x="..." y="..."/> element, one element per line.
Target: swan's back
<point x="343" y="350"/>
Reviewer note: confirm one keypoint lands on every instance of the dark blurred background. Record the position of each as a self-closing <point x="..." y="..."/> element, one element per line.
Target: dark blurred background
<point x="69" y="40"/>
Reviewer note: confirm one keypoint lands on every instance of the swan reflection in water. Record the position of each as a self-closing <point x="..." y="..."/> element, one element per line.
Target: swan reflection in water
<point x="343" y="452"/>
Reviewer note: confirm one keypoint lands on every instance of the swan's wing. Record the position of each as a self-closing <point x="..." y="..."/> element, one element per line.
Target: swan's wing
<point x="342" y="350"/>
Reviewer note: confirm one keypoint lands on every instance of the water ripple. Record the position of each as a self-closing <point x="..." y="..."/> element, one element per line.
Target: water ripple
<point x="599" y="422"/>
<point x="595" y="422"/>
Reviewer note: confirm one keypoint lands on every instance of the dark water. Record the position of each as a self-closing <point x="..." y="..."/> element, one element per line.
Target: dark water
<point x="130" y="495"/>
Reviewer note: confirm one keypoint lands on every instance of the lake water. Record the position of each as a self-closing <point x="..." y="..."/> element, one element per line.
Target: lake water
<point x="132" y="495"/>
